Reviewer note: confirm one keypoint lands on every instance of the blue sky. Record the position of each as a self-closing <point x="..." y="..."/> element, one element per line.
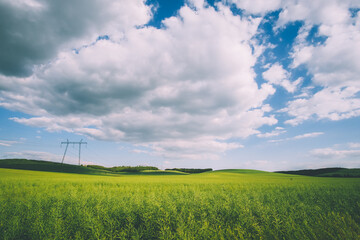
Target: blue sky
<point x="224" y="84"/>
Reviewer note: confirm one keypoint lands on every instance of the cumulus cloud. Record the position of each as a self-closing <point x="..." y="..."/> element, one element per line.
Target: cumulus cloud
<point x="316" y="12"/>
<point x="276" y="132"/>
<point x="333" y="66"/>
<point x="277" y="75"/>
<point x="101" y="72"/>
<point x="32" y="32"/>
<point x="257" y="6"/>
<point x="190" y="83"/>
<point x="330" y="153"/>
<point x="329" y="103"/>
<point x="346" y="155"/>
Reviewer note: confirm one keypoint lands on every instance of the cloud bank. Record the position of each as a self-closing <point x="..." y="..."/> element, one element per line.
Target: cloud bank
<point x="166" y="88"/>
<point x="185" y="90"/>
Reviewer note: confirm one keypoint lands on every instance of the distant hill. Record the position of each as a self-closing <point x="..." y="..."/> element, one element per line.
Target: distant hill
<point x="190" y="170"/>
<point x="123" y="168"/>
<point x="38" y="165"/>
<point x="242" y="171"/>
<point x="326" y="172"/>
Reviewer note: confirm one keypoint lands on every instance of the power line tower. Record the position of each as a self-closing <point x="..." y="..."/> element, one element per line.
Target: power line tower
<point x="73" y="143"/>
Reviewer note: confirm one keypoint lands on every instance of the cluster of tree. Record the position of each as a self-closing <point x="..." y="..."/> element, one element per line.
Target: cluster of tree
<point x="191" y="170"/>
<point x="123" y="168"/>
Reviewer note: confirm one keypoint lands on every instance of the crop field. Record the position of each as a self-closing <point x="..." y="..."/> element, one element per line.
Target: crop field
<point x="229" y="204"/>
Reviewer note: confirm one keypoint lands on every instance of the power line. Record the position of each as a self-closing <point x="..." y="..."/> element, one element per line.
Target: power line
<point x="73" y="143"/>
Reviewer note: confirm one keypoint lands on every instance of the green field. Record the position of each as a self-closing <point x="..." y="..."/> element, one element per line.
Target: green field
<point x="228" y="204"/>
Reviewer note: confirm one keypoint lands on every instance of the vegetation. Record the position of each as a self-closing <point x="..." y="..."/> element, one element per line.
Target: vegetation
<point x="132" y="169"/>
<point x="190" y="170"/>
<point x="47" y="166"/>
<point x="124" y="168"/>
<point x="227" y="204"/>
<point x="327" y="172"/>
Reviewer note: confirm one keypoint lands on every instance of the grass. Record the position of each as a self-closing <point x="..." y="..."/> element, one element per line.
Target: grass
<point x="227" y="204"/>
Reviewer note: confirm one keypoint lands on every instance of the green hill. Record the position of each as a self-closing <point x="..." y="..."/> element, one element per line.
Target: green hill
<point x="326" y="172"/>
<point x="157" y="172"/>
<point x="38" y="165"/>
<point x="242" y="171"/>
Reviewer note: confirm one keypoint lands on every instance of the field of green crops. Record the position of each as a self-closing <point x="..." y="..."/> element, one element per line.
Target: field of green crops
<point x="232" y="204"/>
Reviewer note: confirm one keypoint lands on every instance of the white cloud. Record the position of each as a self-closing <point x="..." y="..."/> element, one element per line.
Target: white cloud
<point x="189" y="81"/>
<point x="257" y="6"/>
<point x="276" y="132"/>
<point x="302" y="136"/>
<point x="334" y="65"/>
<point x="308" y="135"/>
<point x="277" y="75"/>
<point x="33" y="32"/>
<point x="329" y="103"/>
<point x="330" y="153"/>
<point x="7" y="143"/>
<point x="316" y="12"/>
<point x="354" y="145"/>
<point x="340" y="155"/>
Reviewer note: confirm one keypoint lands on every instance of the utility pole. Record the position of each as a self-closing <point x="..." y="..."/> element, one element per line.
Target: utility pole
<point x="67" y="144"/>
<point x="73" y="143"/>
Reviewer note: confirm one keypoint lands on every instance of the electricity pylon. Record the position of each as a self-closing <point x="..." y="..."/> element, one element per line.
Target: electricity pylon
<point x="73" y="143"/>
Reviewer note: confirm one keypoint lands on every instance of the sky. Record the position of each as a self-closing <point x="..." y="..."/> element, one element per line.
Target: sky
<point x="268" y="85"/>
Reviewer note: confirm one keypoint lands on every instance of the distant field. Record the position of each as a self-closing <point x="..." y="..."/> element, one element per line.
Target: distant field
<point x="227" y="204"/>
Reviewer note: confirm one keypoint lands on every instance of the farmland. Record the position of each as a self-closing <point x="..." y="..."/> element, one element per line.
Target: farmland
<point x="228" y="204"/>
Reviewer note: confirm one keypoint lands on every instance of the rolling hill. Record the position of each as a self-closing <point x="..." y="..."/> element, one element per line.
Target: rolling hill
<point x="326" y="172"/>
<point x="38" y="165"/>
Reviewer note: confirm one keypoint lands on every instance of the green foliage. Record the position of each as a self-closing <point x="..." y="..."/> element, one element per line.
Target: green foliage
<point x="327" y="172"/>
<point x="124" y="168"/>
<point x="97" y="167"/>
<point x="132" y="169"/>
<point x="190" y="170"/>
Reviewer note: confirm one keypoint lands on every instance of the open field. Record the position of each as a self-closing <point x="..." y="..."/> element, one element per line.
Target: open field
<point x="229" y="204"/>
